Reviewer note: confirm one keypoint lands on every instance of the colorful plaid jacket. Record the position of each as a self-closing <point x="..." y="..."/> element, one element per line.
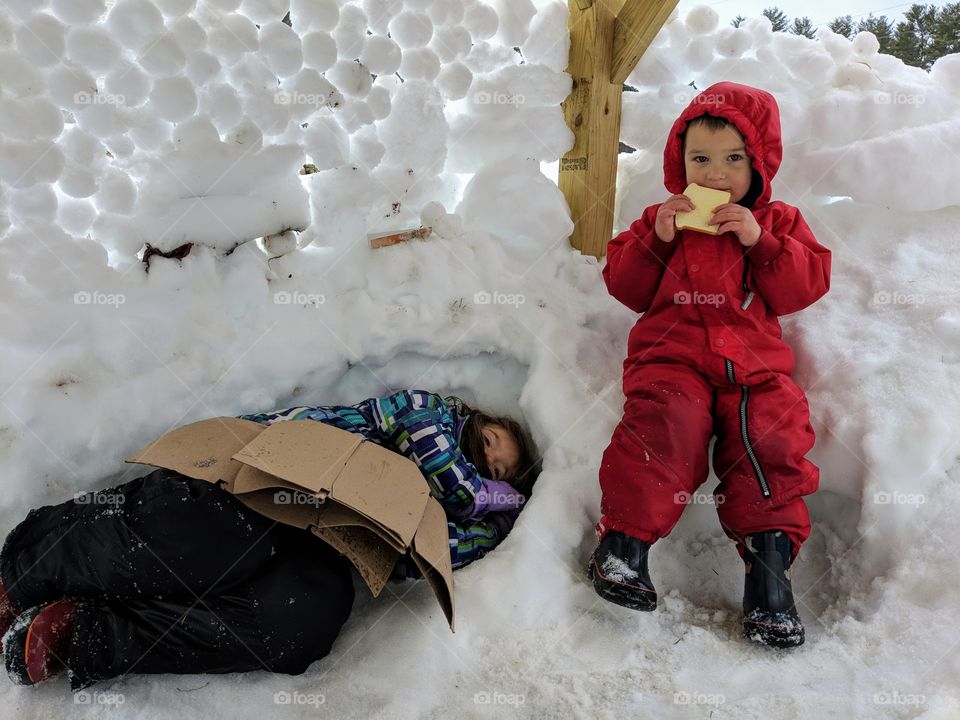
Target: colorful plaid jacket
<point x="422" y="427"/>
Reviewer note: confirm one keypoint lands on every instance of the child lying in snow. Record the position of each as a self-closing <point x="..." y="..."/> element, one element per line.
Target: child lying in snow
<point x="142" y="578"/>
<point x="706" y="358"/>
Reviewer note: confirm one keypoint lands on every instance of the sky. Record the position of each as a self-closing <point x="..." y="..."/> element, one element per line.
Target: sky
<point x="819" y="11"/>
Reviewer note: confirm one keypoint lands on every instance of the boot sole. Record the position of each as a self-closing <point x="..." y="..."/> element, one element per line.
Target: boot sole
<point x="773" y="635"/>
<point x="628" y="596"/>
<point x="16" y="647"/>
<point x="7" y="617"/>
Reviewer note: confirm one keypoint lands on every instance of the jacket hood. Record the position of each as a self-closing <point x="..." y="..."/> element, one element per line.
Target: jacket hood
<point x="754" y="113"/>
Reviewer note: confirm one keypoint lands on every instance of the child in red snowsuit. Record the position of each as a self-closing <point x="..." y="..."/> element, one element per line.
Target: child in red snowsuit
<point x="706" y="358"/>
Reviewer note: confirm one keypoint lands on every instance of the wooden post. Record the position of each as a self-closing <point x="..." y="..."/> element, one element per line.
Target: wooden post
<point x="607" y="38"/>
<point x="588" y="171"/>
<point x="638" y="23"/>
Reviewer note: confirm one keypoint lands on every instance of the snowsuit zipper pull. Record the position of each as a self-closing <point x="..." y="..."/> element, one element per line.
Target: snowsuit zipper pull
<point x="746" y="267"/>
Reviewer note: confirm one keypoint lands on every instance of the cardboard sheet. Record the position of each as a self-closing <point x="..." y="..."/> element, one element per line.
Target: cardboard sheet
<point x="369" y="503"/>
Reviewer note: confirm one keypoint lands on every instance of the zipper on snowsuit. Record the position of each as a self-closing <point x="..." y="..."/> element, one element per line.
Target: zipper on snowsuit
<point x="746" y="289"/>
<point x="744" y="434"/>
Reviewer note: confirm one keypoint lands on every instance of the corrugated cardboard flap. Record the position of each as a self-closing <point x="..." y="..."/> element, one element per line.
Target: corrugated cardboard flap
<point x="431" y="553"/>
<point x="333" y="514"/>
<point x="304" y="452"/>
<point x="385" y="487"/>
<point x="327" y="461"/>
<point x="201" y="450"/>
<point x="373" y="558"/>
<point x="265" y="502"/>
<point x="250" y="479"/>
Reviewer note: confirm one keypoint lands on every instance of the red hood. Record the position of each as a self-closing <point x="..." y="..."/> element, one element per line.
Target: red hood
<point x="755" y="114"/>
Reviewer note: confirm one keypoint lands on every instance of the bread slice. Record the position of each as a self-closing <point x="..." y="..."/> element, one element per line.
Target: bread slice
<point x="705" y="200"/>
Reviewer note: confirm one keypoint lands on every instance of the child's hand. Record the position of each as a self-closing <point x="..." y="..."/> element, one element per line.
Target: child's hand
<point x="737" y="219"/>
<point x="497" y="496"/>
<point x="665" y="224"/>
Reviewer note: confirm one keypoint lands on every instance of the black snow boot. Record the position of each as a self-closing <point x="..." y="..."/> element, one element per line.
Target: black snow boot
<point x="618" y="568"/>
<point x="769" y="614"/>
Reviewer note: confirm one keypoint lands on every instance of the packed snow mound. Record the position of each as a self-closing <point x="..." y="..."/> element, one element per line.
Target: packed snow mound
<point x="845" y="109"/>
<point x="181" y="122"/>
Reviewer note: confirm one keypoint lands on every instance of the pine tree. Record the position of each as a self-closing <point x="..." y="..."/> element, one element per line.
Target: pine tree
<point x="913" y="39"/>
<point x="777" y="17"/>
<point x="737" y="20"/>
<point x="804" y="26"/>
<point x="904" y="44"/>
<point x="879" y="26"/>
<point x="842" y="26"/>
<point x="946" y="36"/>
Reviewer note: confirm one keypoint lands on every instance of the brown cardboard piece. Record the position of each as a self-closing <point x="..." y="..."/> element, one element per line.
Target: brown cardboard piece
<point x="369" y="503"/>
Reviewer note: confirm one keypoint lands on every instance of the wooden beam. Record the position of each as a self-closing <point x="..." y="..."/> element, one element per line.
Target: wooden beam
<point x="588" y="172"/>
<point x="636" y="25"/>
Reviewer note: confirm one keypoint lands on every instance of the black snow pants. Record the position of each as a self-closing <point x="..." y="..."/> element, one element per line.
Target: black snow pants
<point x="175" y="575"/>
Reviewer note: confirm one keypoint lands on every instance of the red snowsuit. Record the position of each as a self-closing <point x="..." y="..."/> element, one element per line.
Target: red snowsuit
<point x="706" y="357"/>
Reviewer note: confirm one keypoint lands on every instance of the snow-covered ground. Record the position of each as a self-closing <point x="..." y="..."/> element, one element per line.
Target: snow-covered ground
<point x="164" y="123"/>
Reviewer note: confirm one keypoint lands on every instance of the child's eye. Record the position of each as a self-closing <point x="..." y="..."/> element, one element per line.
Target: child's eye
<point x="736" y="157"/>
<point x="699" y="158"/>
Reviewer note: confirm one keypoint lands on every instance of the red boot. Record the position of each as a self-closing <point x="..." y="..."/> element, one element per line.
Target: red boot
<point x="39" y="642"/>
<point x="8" y="613"/>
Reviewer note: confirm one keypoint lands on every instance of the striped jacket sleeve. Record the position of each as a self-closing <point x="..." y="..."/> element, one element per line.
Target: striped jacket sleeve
<point x="411" y="421"/>
<point x="269" y="418"/>
<point x="472" y="539"/>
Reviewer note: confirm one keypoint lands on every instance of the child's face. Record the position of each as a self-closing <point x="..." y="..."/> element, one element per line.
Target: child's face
<point x="501" y="450"/>
<point x="717" y="159"/>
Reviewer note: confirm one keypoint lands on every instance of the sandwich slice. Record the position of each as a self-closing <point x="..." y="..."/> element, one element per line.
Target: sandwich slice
<point x="705" y="201"/>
